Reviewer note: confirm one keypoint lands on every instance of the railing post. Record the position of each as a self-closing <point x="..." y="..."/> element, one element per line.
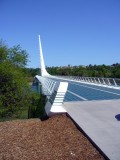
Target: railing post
<point x="91" y="80"/>
<point x="99" y="80"/>
<point x="95" y="80"/>
<point x="108" y="81"/>
<point x="114" y="82"/>
<point x="103" y="81"/>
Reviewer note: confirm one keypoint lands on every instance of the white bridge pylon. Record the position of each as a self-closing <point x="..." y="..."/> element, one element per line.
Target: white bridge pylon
<point x="43" y="69"/>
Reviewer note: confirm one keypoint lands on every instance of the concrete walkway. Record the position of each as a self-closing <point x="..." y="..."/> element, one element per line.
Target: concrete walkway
<point x="100" y="120"/>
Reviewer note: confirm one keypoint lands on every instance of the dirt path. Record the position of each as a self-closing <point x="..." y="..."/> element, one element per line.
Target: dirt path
<point x="54" y="139"/>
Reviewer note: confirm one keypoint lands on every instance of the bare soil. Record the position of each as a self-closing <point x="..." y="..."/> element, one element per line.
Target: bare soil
<point x="54" y="139"/>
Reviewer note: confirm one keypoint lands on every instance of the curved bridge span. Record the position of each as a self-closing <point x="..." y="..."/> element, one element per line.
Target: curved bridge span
<point x="93" y="103"/>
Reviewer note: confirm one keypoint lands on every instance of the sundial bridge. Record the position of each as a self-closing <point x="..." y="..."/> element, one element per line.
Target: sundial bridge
<point x="93" y="103"/>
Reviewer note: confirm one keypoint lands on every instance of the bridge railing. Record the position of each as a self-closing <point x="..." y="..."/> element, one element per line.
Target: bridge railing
<point x="115" y="82"/>
<point x="48" y="85"/>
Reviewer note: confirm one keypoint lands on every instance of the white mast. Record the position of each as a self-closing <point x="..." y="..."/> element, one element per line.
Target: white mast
<point x="43" y="69"/>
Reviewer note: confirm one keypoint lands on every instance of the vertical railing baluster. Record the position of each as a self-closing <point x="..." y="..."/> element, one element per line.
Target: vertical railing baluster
<point x="108" y="81"/>
<point x="91" y="80"/>
<point x="103" y="81"/>
<point x="95" y="80"/>
<point x="114" y="82"/>
<point x="99" y="80"/>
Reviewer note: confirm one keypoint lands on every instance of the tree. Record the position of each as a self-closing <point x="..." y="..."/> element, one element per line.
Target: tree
<point x="3" y="52"/>
<point x="17" y="56"/>
<point x="14" y="89"/>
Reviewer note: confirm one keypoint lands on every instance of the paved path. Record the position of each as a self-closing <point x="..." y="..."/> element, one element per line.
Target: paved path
<point x="100" y="120"/>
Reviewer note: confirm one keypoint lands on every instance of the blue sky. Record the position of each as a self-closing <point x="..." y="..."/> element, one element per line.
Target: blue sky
<point x="75" y="32"/>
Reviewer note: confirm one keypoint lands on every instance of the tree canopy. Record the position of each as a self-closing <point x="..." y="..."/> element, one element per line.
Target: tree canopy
<point x="14" y="89"/>
<point x="107" y="71"/>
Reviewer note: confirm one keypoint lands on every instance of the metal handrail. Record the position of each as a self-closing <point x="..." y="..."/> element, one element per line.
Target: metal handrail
<point x="48" y="85"/>
<point x="115" y="82"/>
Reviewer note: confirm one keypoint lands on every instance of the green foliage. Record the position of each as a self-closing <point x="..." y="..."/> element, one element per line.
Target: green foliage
<point x="14" y="89"/>
<point x="37" y="110"/>
<point x="87" y="71"/>
<point x="17" y="56"/>
<point x="3" y="52"/>
<point x="16" y="98"/>
<point x="15" y="93"/>
<point x="32" y="71"/>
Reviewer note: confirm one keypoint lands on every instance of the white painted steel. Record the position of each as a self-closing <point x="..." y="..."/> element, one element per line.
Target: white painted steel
<point x="47" y="84"/>
<point x="55" y="92"/>
<point x="43" y="70"/>
<point x="51" y="88"/>
<point x="54" y="104"/>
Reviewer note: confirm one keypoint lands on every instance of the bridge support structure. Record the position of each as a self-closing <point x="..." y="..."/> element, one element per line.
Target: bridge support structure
<point x="54" y="104"/>
<point x="55" y="92"/>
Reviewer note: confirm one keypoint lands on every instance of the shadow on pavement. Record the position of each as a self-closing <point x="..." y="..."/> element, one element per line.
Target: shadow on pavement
<point x="117" y="117"/>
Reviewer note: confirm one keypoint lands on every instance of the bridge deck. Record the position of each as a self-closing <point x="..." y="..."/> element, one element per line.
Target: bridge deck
<point x="82" y="91"/>
<point x="100" y="120"/>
